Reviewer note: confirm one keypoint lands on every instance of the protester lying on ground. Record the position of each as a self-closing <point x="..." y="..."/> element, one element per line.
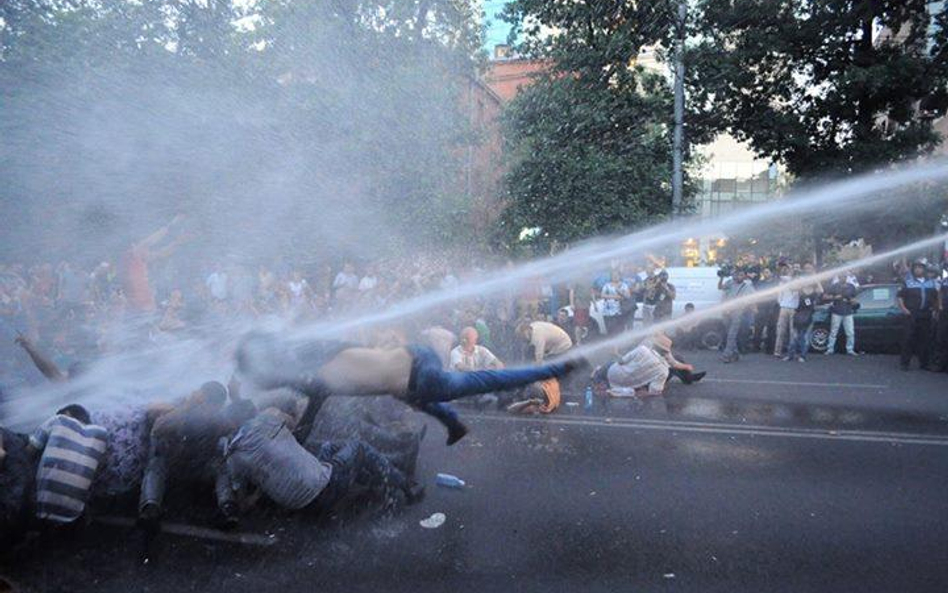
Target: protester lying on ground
<point x="71" y="449"/>
<point x="412" y="374"/>
<point x="183" y="445"/>
<point x="542" y="397"/>
<point x="371" y="420"/>
<point x="264" y="454"/>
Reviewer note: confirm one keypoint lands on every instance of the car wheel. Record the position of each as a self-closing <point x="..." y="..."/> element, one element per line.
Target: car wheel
<point x="819" y="339"/>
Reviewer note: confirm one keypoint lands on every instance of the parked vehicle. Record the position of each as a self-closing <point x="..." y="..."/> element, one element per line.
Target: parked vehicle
<point x="878" y="321"/>
<point x="692" y="285"/>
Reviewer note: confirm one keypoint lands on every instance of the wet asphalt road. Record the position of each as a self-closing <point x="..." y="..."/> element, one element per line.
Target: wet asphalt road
<point x="829" y="476"/>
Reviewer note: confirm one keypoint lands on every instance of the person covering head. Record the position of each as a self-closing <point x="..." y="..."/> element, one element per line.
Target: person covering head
<point x="72" y="450"/>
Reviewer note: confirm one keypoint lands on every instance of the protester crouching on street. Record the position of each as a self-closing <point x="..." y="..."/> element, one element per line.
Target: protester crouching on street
<point x="72" y="449"/>
<point x="184" y="447"/>
<point x="265" y="454"/>
<point x="920" y="302"/>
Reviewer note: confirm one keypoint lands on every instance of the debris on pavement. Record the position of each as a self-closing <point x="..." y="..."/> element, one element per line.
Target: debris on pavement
<point x="435" y="521"/>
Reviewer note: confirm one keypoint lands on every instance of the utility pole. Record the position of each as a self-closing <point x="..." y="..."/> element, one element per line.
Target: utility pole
<point x="677" y="175"/>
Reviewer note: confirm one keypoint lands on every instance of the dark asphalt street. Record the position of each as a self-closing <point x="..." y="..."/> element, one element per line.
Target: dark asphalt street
<point x="769" y="476"/>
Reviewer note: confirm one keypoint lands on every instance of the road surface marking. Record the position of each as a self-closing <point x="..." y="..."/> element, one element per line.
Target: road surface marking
<point x="799" y="383"/>
<point x="735" y="429"/>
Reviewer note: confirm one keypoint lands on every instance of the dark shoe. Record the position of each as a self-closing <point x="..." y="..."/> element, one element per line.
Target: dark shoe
<point x="695" y="377"/>
<point x="456" y="432"/>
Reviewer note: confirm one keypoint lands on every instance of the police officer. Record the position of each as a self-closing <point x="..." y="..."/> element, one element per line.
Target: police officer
<point x="919" y="301"/>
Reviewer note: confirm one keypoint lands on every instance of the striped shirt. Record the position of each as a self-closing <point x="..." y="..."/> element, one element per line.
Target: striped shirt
<point x="72" y="453"/>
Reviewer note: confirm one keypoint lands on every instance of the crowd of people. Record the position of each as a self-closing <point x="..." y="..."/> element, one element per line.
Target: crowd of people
<point x="784" y="325"/>
<point x="274" y="436"/>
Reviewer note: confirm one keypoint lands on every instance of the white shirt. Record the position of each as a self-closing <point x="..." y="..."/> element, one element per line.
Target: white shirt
<point x="480" y="359"/>
<point x="788" y="299"/>
<point x="639" y="368"/>
<point x="548" y="340"/>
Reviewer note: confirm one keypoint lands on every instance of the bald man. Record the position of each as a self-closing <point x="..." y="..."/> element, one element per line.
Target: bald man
<point x="471" y="356"/>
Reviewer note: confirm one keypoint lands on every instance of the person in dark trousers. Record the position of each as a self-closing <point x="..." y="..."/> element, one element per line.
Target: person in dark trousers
<point x="920" y="303"/>
<point x="801" y="323"/>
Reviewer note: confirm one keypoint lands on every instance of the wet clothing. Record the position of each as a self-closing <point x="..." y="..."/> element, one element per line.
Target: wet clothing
<point x="72" y="452"/>
<point x="641" y="367"/>
<point x="265" y="453"/>
<point x="357" y="468"/>
<point x="126" y="452"/>
<point x="428" y="383"/>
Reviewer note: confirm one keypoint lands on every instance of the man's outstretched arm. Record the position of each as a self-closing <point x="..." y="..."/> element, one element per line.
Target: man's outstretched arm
<point x="44" y="364"/>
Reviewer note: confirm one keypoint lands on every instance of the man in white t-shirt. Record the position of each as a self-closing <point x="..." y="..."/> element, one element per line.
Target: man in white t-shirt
<point x="471" y="356"/>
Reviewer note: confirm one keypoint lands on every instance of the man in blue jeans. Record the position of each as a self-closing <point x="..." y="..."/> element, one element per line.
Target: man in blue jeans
<point x="412" y="374"/>
<point x="736" y="287"/>
<point x="842" y="296"/>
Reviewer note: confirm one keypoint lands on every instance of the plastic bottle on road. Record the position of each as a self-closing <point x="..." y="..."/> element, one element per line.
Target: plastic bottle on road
<point x="588" y="399"/>
<point x="449" y="481"/>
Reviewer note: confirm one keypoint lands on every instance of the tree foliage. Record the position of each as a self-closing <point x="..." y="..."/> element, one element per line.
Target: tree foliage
<point x="821" y="86"/>
<point x="285" y="124"/>
<point x="590" y="141"/>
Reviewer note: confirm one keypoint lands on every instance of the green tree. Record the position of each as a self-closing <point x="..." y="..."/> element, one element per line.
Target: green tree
<point x="590" y="141"/>
<point x="338" y="123"/>
<point x="821" y="86"/>
<point x="828" y="88"/>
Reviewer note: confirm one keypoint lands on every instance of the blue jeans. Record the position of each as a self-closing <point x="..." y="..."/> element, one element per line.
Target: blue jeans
<point x="429" y="383"/>
<point x="799" y="340"/>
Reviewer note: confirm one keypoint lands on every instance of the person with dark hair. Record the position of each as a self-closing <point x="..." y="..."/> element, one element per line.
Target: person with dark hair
<point x="413" y="374"/>
<point x="920" y="302"/>
<point x="72" y="449"/>
<point x="184" y="441"/>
